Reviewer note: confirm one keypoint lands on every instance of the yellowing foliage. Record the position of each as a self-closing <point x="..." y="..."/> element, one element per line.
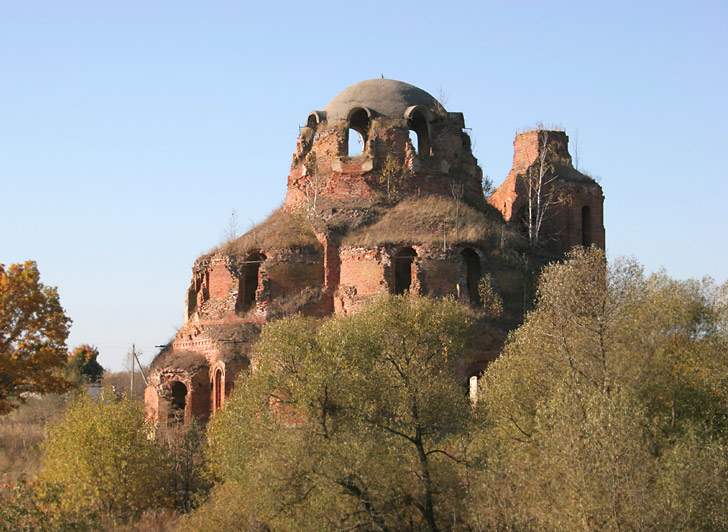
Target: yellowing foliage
<point x="33" y="332"/>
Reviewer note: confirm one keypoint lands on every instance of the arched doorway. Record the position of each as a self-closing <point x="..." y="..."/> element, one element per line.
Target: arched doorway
<point x="178" y="403"/>
<point x="403" y="270"/>
<point x="472" y="273"/>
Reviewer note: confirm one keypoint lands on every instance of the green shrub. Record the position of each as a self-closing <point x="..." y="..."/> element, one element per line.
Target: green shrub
<point x="102" y="458"/>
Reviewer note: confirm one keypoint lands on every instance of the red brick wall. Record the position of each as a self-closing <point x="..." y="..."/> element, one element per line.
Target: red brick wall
<point x="362" y="269"/>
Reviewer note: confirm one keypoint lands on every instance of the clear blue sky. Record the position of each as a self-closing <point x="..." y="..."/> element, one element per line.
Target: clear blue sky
<point x="129" y="131"/>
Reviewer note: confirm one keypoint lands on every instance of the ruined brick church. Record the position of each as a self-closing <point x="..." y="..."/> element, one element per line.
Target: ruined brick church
<point x="384" y="196"/>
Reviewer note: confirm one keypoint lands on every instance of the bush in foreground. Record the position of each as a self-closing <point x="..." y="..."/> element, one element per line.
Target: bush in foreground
<point x="102" y="459"/>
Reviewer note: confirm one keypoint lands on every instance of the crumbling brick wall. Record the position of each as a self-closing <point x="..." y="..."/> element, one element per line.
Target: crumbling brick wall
<point x="563" y="226"/>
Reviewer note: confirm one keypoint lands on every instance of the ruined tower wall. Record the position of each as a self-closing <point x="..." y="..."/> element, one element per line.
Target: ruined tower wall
<point x="576" y="215"/>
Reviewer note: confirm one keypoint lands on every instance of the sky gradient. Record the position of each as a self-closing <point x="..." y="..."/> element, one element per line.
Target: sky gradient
<point x="129" y="131"/>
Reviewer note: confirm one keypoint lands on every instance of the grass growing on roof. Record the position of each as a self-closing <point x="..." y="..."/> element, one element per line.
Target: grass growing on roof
<point x="280" y="230"/>
<point x="424" y="220"/>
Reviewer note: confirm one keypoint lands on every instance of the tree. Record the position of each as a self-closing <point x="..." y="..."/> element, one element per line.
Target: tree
<point x="608" y="409"/>
<point x="391" y="175"/>
<point x="353" y="423"/>
<point x="230" y="234"/>
<point x="33" y="332"/>
<point x="102" y="460"/>
<point x="82" y="365"/>
<point x="541" y="193"/>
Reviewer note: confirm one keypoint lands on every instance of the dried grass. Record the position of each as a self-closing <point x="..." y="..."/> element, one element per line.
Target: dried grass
<point x="22" y="431"/>
<point x="280" y="230"/>
<point x="427" y="220"/>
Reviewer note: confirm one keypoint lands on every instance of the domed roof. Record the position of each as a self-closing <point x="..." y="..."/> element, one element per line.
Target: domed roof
<point x="388" y="97"/>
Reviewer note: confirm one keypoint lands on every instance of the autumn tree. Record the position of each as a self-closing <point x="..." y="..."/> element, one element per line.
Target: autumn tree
<point x="608" y="409"/>
<point x="351" y="424"/>
<point x="33" y="332"/>
<point x="82" y="364"/>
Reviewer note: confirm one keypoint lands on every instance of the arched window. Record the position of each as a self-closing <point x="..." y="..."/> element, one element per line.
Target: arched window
<point x="355" y="143"/>
<point x="217" y="403"/>
<point x="179" y="402"/>
<point x="403" y="270"/>
<point x="586" y="226"/>
<point x="308" y="134"/>
<point x="472" y="273"/>
<point x="358" y="132"/>
<point x="419" y="134"/>
<point x="249" y="282"/>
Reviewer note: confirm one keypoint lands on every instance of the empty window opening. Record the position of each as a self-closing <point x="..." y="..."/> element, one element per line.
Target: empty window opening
<point x="311" y="124"/>
<point x="419" y="134"/>
<point x="218" y="390"/>
<point x="356" y="144"/>
<point x="191" y="301"/>
<point x="586" y="226"/>
<point x="358" y="132"/>
<point x="472" y="273"/>
<point x="403" y="270"/>
<point x="249" y="282"/>
<point x="179" y="402"/>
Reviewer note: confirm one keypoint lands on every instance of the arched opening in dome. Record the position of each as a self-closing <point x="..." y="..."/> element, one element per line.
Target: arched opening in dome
<point x="249" y="282"/>
<point x="355" y="143"/>
<point x="586" y="226"/>
<point x="472" y="273"/>
<point x="309" y="136"/>
<point x="358" y="132"/>
<point x="419" y="133"/>
<point x="403" y="261"/>
<point x="178" y="403"/>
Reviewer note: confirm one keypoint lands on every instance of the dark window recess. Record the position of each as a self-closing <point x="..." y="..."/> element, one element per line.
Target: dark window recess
<point x="403" y="270"/>
<point x="249" y="282"/>
<point x="179" y="402"/>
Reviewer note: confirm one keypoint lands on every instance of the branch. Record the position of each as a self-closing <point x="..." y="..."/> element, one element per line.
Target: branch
<point x="451" y="457"/>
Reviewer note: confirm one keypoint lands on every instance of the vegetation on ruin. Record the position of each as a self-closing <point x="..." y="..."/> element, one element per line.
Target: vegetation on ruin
<point x="280" y="230"/>
<point x="434" y="220"/>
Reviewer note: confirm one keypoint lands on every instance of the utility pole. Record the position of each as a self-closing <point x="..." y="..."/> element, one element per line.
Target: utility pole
<point x="133" y="358"/>
<point x="141" y="370"/>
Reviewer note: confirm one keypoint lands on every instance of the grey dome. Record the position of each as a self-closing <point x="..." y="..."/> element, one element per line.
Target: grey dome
<point x="386" y="97"/>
